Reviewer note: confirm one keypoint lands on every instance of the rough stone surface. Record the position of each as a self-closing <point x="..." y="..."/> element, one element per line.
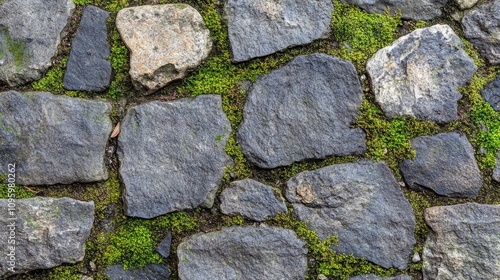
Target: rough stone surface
<point x="418" y="75"/>
<point x="89" y="67"/>
<point x="445" y="163"/>
<point x="48" y="232"/>
<point x="259" y="28"/>
<point x="466" y="4"/>
<point x="53" y="139"/>
<point x="463" y="242"/>
<point x="415" y="9"/>
<point x="149" y="272"/>
<point x="362" y="204"/>
<point x="165" y="42"/>
<point x="251" y="199"/>
<point x="303" y="110"/>
<point x="253" y="253"/>
<point x="375" y="277"/>
<point x="164" y="247"/>
<point x="496" y="171"/>
<point x="491" y="94"/>
<point x="30" y="31"/>
<point x="482" y="27"/>
<point x="172" y="155"/>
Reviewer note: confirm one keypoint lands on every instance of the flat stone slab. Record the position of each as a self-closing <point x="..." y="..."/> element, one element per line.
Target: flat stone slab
<point x="491" y="93"/>
<point x="150" y="271"/>
<point x="249" y="252"/>
<point x="260" y="28"/>
<point x="463" y="242"/>
<point x="165" y="42"/>
<point x="252" y="200"/>
<point x="362" y="204"/>
<point x="30" y="32"/>
<point x="445" y="164"/>
<point x="415" y="9"/>
<point x="172" y="155"/>
<point x="89" y="67"/>
<point x="418" y="75"/>
<point x="375" y="277"/>
<point x="482" y="27"/>
<point x="303" y="110"/>
<point x="53" y="139"/>
<point x="47" y="232"/>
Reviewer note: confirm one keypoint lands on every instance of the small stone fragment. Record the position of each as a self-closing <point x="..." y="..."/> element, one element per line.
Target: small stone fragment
<point x="414" y="9"/>
<point x="150" y="271"/>
<point x="164" y="247"/>
<point x="496" y="170"/>
<point x="491" y="93"/>
<point x="416" y="258"/>
<point x="466" y="4"/>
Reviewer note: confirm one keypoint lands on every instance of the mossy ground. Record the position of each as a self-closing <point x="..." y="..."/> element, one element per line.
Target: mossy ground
<point x="356" y="36"/>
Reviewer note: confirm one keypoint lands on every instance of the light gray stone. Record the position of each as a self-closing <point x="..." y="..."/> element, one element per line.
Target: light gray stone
<point x="445" y="164"/>
<point x="491" y="93"/>
<point x="418" y="75"/>
<point x="375" y="277"/>
<point x="165" y="42"/>
<point x="259" y="28"/>
<point x="414" y="9"/>
<point x="48" y="232"/>
<point x="252" y="253"/>
<point x="463" y="242"/>
<point x="149" y="272"/>
<point x="496" y="170"/>
<point x="53" y="139"/>
<point x="172" y="155"/>
<point x="482" y="27"/>
<point x="303" y="110"/>
<point x="30" y="32"/>
<point x="466" y="4"/>
<point x="362" y="204"/>
<point x="251" y="199"/>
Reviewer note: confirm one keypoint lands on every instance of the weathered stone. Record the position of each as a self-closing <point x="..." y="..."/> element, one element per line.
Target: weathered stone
<point x="418" y="75"/>
<point x="249" y="252"/>
<point x="482" y="27"/>
<point x="415" y="9"/>
<point x="165" y="42"/>
<point x="491" y="94"/>
<point x="445" y="163"/>
<point x="53" y="139"/>
<point x="48" y="232"/>
<point x="466" y="4"/>
<point x="303" y="110"/>
<point x="259" y="28"/>
<point x="251" y="199"/>
<point x="89" y="67"/>
<point x="164" y="247"/>
<point x="463" y="242"/>
<point x="375" y="277"/>
<point x="172" y="155"/>
<point x="496" y="171"/>
<point x="362" y="204"/>
<point x="150" y="272"/>
<point x="30" y="31"/>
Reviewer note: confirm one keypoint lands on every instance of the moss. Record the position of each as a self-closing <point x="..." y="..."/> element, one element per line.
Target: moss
<point x="17" y="48"/>
<point x="83" y="2"/>
<point x="19" y="191"/>
<point x="233" y="221"/>
<point x="66" y="272"/>
<point x="119" y="57"/>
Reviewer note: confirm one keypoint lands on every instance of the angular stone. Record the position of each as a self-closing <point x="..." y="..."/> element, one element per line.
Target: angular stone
<point x="172" y="155"/>
<point x="418" y="75"/>
<point x="30" y="32"/>
<point x="302" y="111"/>
<point x="164" y="247"/>
<point x="463" y="242"/>
<point x="414" y="9"/>
<point x="53" y="139"/>
<point x="150" y="271"/>
<point x="491" y="93"/>
<point x="252" y="200"/>
<point x="89" y="67"/>
<point x="259" y="28"/>
<point x="466" y="4"/>
<point x="249" y="252"/>
<point x="375" y="277"/>
<point x="445" y="163"/>
<point x="165" y="42"/>
<point x="48" y="232"/>
<point x="482" y="27"/>
<point x="362" y="204"/>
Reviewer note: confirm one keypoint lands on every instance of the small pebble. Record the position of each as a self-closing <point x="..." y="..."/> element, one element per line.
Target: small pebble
<point x="416" y="258"/>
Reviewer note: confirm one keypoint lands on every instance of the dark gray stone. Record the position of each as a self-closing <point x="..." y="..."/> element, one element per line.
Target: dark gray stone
<point x="362" y="204"/>
<point x="302" y="111"/>
<point x="482" y="27"/>
<point x="496" y="170"/>
<point x="418" y="75"/>
<point x="252" y="253"/>
<point x="445" y="163"/>
<point x="89" y="67"/>
<point x="149" y="272"/>
<point x="375" y="277"/>
<point x="53" y="139"/>
<point x="260" y="28"/>
<point x="414" y="9"/>
<point x="48" y="232"/>
<point x="251" y="199"/>
<point x="463" y="242"/>
<point x="164" y="247"/>
<point x="492" y="94"/>
<point x="172" y="155"/>
<point x="30" y="32"/>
